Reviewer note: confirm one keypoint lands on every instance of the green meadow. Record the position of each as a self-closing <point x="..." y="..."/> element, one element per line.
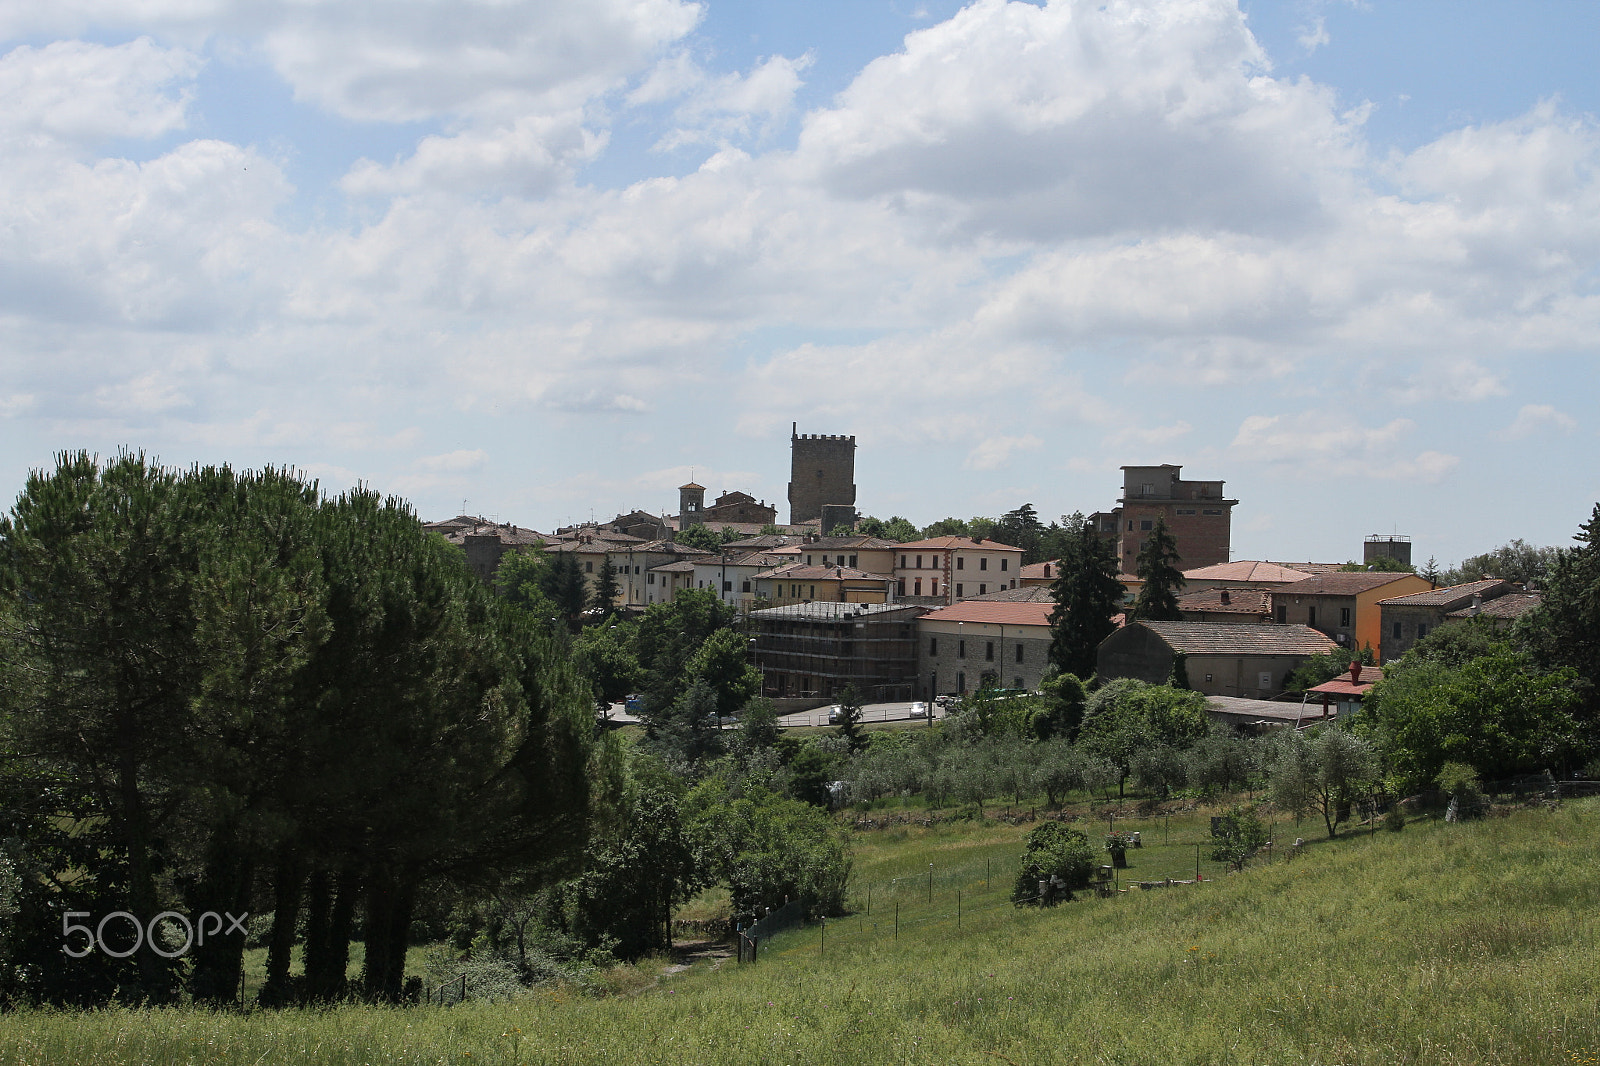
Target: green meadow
<point x="1446" y="944"/>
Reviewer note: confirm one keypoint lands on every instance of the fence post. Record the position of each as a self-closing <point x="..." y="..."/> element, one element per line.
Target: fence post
<point x="986" y="875"/>
<point x="897" y="922"/>
<point x="958" y="908"/>
<point x="463" y="987"/>
<point x="930" y="882"/>
<point x="869" y="898"/>
<point x="824" y="950"/>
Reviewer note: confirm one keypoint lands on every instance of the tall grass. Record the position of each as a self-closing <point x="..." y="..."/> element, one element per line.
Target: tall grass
<point x="1443" y="944"/>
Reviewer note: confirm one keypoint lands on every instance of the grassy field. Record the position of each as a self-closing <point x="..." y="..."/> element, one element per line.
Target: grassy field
<point x="1441" y="944"/>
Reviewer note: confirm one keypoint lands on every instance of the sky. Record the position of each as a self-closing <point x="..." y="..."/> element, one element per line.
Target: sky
<point x="546" y="260"/>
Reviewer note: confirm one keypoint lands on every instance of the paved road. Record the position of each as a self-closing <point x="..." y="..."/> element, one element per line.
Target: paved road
<point x="871" y="712"/>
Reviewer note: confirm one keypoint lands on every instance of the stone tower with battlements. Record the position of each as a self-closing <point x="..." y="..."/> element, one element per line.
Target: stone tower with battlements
<point x="822" y="472"/>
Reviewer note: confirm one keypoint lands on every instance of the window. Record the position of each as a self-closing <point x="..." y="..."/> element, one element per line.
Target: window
<point x="1016" y="682"/>
<point x="808" y="560"/>
<point x="650" y="579"/>
<point x="918" y="592"/>
<point x="1147" y="490"/>
<point x="1186" y="510"/>
<point x="841" y="560"/>
<point x="919" y="562"/>
<point x="961" y="562"/>
<point x="813" y="592"/>
<point x="902" y="562"/>
<point x="852" y="560"/>
<point x="1211" y="510"/>
<point x="1311" y="616"/>
<point x="1004" y="565"/>
<point x="988" y="650"/>
<point x="1422" y="630"/>
<point x="982" y="589"/>
<point x="1019" y="656"/>
<point x="900" y="587"/>
<point x="1130" y="525"/>
<point x="1145" y="525"/>
<point x="933" y="645"/>
<point x="588" y="566"/>
<point x="983" y="564"/>
<point x="745" y="587"/>
<point x="961" y="649"/>
<point x="1283" y="614"/>
<point x="934" y="591"/>
<point x="959" y="592"/>
<point x="1397" y="631"/>
<point x="727" y="586"/>
<point x="636" y="569"/>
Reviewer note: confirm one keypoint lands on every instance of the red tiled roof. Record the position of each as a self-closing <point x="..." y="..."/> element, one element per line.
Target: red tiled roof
<point x="1240" y="601"/>
<point x="802" y="572"/>
<point x="1246" y="570"/>
<point x="1449" y="594"/>
<point x="1511" y="605"/>
<point x="1001" y="612"/>
<point x="960" y="543"/>
<point x="1341" y="584"/>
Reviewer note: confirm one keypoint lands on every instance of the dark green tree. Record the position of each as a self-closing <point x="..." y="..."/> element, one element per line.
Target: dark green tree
<point x="604" y="653"/>
<point x="946" y="527"/>
<point x="1022" y="529"/>
<point x="522" y="578"/>
<point x="669" y="635"/>
<point x="607" y="590"/>
<point x="699" y="537"/>
<point x="1158" y="568"/>
<point x="1087" y="595"/>
<point x="850" y="719"/>
<point x="1053" y="851"/>
<point x="1565" y="629"/>
<point x="1516" y="560"/>
<point x="1237" y="836"/>
<point x="564" y="586"/>
<point x="1061" y="707"/>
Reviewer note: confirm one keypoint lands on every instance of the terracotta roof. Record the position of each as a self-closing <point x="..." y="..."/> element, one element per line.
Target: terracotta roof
<point x="835" y="543"/>
<point x="511" y="535"/>
<point x="671" y="547"/>
<point x="802" y="572"/>
<point x="1239" y="601"/>
<point x="1449" y="594"/>
<point x="1511" y="605"/>
<point x="824" y="610"/>
<point x="1025" y="594"/>
<point x="1045" y="571"/>
<point x="1310" y="568"/>
<point x="765" y="540"/>
<point x="961" y="543"/>
<point x="682" y="566"/>
<point x="1019" y="613"/>
<point x="1341" y="584"/>
<point x="1247" y="570"/>
<point x="1228" y="638"/>
<point x="1343" y="686"/>
<point x="692" y="485"/>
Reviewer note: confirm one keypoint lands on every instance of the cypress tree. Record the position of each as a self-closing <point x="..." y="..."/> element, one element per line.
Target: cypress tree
<point x="1087" y="594"/>
<point x="1158" y="569"/>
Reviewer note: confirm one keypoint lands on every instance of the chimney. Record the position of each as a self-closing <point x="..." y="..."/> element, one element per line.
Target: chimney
<point x="1355" y="673"/>
<point x="1477" y="604"/>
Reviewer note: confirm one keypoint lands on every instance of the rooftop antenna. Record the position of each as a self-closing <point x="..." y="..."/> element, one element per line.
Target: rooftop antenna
<point x="463" y="505"/>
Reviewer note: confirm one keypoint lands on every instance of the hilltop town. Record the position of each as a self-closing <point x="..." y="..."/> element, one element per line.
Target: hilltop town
<point x="833" y="600"/>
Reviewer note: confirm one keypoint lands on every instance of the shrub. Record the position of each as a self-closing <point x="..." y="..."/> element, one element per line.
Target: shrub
<point x="1053" y="851"/>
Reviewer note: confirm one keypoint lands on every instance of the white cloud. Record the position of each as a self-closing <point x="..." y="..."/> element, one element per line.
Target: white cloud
<point x="994" y="452"/>
<point x="1314" y="34"/>
<point x="527" y="158"/>
<point x="81" y="93"/>
<point x="454" y="462"/>
<point x="1533" y="417"/>
<point x="731" y="107"/>
<point x="1346" y="448"/>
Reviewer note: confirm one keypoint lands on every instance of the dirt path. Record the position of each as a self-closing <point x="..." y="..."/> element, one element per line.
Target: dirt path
<point x="685" y="953"/>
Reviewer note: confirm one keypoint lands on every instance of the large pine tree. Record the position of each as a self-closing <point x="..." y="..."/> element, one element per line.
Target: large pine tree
<point x="1087" y="594"/>
<point x="1158" y="569"/>
<point x="1565" y="630"/>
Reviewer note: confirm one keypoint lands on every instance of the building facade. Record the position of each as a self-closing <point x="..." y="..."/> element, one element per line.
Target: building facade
<point x="945" y="570"/>
<point x="998" y="643"/>
<point x="1344" y="606"/>
<point x="1219" y="660"/>
<point x="818" y="649"/>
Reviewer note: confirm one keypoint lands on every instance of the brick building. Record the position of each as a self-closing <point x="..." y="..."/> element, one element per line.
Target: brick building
<point x="816" y="649"/>
<point x="1200" y="519"/>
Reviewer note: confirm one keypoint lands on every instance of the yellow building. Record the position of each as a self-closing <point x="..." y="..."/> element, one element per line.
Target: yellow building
<point x="1344" y="606"/>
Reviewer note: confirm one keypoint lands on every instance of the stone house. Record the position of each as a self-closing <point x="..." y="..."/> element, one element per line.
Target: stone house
<point x="1344" y="606"/>
<point x="1220" y="659"/>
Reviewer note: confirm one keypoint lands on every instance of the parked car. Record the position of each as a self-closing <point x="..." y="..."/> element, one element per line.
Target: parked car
<point x="919" y="710"/>
<point x="633" y="704"/>
<point x="835" y="715"/>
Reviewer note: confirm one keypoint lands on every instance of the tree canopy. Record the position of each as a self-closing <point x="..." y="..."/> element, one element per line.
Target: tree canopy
<point x="1158" y="569"/>
<point x="1087" y="595"/>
